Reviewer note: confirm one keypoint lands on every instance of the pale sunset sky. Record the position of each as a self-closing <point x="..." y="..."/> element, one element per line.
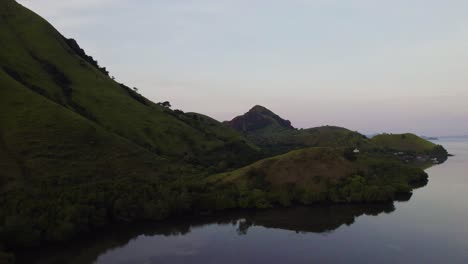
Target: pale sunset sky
<point x="368" y="65"/>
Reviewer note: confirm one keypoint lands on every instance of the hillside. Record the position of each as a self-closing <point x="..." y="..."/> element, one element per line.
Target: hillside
<point x="79" y="150"/>
<point x="40" y="59"/>
<point x="403" y="142"/>
<point x="409" y="147"/>
<point x="276" y="135"/>
<point x="314" y="175"/>
<point x="260" y="120"/>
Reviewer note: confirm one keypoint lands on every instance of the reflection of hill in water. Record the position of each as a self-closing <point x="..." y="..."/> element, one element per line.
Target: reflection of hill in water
<point x="316" y="219"/>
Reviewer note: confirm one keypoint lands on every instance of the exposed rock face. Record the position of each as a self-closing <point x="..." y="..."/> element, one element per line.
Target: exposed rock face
<point x="258" y="118"/>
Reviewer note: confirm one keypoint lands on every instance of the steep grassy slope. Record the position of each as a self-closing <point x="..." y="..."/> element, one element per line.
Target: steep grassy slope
<point x="78" y="150"/>
<point x="39" y="138"/>
<point x="37" y="56"/>
<point x="62" y="174"/>
<point x="276" y="135"/>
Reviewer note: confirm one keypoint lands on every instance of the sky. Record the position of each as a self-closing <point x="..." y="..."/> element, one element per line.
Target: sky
<point x="368" y="65"/>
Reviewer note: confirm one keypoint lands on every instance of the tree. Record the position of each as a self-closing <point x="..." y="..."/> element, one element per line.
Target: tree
<point x="349" y="154"/>
<point x="165" y="104"/>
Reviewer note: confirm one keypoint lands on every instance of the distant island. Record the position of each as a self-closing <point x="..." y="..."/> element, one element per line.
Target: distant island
<point x="80" y="151"/>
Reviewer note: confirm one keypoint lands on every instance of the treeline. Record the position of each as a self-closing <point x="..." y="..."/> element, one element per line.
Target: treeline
<point x="47" y="212"/>
<point x="30" y="215"/>
<point x="384" y="181"/>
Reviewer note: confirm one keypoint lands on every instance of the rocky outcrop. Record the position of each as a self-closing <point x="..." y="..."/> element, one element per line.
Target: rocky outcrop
<point x="258" y="118"/>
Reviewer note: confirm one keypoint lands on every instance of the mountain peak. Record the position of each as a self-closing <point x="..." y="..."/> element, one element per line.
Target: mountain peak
<point x="258" y="118"/>
<point x="259" y="108"/>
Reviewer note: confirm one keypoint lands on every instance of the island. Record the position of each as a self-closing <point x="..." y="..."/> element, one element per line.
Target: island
<point x="80" y="151"/>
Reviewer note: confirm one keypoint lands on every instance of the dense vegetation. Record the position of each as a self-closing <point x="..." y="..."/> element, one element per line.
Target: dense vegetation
<point x="79" y="150"/>
<point x="313" y="175"/>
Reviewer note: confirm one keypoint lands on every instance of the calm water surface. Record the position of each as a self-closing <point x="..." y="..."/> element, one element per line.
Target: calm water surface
<point x="432" y="227"/>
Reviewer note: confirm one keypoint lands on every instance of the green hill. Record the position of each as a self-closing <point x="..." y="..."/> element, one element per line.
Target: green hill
<point x="313" y="175"/>
<point x="79" y="150"/>
<point x="260" y="120"/>
<point x="41" y="60"/>
<point x="409" y="147"/>
<point x="403" y="142"/>
<point x="276" y="135"/>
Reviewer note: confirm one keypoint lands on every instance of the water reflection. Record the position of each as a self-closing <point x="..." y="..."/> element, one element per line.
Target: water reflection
<point x="318" y="219"/>
<point x="431" y="228"/>
<point x="315" y="219"/>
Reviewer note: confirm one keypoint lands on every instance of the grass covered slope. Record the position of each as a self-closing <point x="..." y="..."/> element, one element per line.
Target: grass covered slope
<point x="325" y="136"/>
<point x="403" y="142"/>
<point x="34" y="54"/>
<point x="276" y="135"/>
<point x="62" y="174"/>
<point x="78" y="150"/>
<point x="46" y="139"/>
<point x="313" y="175"/>
<point x="409" y="147"/>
